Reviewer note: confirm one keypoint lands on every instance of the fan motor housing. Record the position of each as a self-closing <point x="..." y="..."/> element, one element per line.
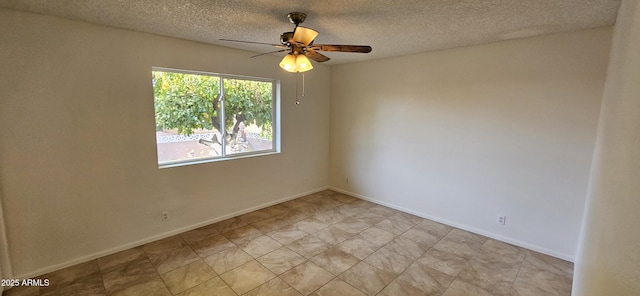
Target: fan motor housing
<point x="286" y="37"/>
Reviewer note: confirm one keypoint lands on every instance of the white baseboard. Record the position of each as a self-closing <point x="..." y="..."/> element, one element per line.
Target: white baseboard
<point x="463" y="227"/>
<point x="144" y="241"/>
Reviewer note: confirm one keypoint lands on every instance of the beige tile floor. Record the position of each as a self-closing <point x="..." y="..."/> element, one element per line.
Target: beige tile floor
<point x="321" y="244"/>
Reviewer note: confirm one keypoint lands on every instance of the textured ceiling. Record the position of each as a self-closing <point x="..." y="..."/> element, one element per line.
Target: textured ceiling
<point x="391" y="27"/>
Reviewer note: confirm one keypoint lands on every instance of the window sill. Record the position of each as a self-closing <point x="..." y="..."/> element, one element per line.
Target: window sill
<point x="214" y="159"/>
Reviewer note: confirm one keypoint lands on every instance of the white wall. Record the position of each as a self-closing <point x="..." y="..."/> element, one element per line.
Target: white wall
<point x="608" y="261"/>
<point x="464" y="135"/>
<point x="78" y="169"/>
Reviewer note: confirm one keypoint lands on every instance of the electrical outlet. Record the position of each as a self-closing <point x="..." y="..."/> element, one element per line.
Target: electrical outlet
<point x="165" y="216"/>
<point x="502" y="220"/>
<point x="346" y="180"/>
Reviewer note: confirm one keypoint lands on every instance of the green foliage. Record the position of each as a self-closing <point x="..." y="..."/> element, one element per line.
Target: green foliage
<point x="189" y="101"/>
<point x="247" y="100"/>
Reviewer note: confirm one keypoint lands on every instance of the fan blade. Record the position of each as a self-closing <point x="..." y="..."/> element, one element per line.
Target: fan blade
<point x="265" y="53"/>
<point x="316" y="56"/>
<point x="304" y="35"/>
<point x="253" y="42"/>
<point x="342" y="48"/>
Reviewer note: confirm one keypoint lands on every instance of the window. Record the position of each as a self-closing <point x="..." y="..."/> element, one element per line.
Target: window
<point x="206" y="117"/>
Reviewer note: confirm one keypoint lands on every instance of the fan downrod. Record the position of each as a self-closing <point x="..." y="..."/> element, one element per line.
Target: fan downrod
<point x="296" y="17"/>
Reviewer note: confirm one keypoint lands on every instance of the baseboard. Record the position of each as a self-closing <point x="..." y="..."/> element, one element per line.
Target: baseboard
<point x="461" y="226"/>
<point x="144" y="241"/>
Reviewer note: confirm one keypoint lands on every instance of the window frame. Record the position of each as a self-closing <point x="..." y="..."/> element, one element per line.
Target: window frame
<point x="275" y="119"/>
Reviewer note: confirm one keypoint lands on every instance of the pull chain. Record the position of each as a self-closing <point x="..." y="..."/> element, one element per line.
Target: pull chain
<point x="297" y="99"/>
<point x="302" y="95"/>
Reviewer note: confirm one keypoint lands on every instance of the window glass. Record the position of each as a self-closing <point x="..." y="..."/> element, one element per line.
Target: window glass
<point x="203" y="116"/>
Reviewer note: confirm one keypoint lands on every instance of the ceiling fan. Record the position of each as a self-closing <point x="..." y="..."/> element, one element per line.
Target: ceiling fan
<point x="300" y="47"/>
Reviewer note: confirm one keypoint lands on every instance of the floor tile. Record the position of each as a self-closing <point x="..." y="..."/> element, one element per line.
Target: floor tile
<point x="253" y="217"/>
<point x="173" y="259"/>
<point x="363" y="204"/>
<point x="66" y="276"/>
<point x="497" y="279"/>
<point x="308" y="246"/>
<point x="307" y="277"/>
<point x="229" y="224"/>
<point x="188" y="276"/>
<point x="444" y="262"/>
<point x="338" y="287"/>
<point x="242" y="234"/>
<point x="294" y="216"/>
<point x="125" y="275"/>
<point x="369" y="218"/>
<point x="199" y="234"/>
<point x="246" y="277"/>
<point x="399" y="287"/>
<point x="227" y="259"/>
<point x="310" y="225"/>
<point x="90" y="285"/>
<point x="332" y="235"/>
<point x="461" y="243"/>
<point x="460" y="288"/>
<point x="367" y="278"/>
<point x="421" y="236"/>
<point x="259" y="246"/>
<point x="269" y="224"/>
<point x="352" y="226"/>
<point x="546" y="262"/>
<point x="382" y="210"/>
<point x="406" y="247"/>
<point x="214" y="286"/>
<point x="281" y="260"/>
<point x="119" y="258"/>
<point x="331" y="216"/>
<point x="286" y="236"/>
<point x="532" y="280"/>
<point x="496" y="252"/>
<point x="328" y="203"/>
<point x="350" y="210"/>
<point x="211" y="245"/>
<point x="406" y="218"/>
<point x="295" y="203"/>
<point x="153" y="286"/>
<point x="308" y="210"/>
<point x="377" y="236"/>
<point x="393" y="226"/>
<point x="357" y="247"/>
<point x="274" y="287"/>
<point x="311" y="198"/>
<point x="343" y="198"/>
<point x="22" y="291"/>
<point x="419" y="279"/>
<point x="335" y="260"/>
<point x="435" y="229"/>
<point x="503" y="249"/>
<point x="164" y="245"/>
<point x="387" y="259"/>
<point x="275" y="210"/>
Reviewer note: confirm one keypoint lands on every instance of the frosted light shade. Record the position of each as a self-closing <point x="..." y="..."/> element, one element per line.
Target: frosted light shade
<point x="295" y="63"/>
<point x="303" y="64"/>
<point x="288" y="63"/>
